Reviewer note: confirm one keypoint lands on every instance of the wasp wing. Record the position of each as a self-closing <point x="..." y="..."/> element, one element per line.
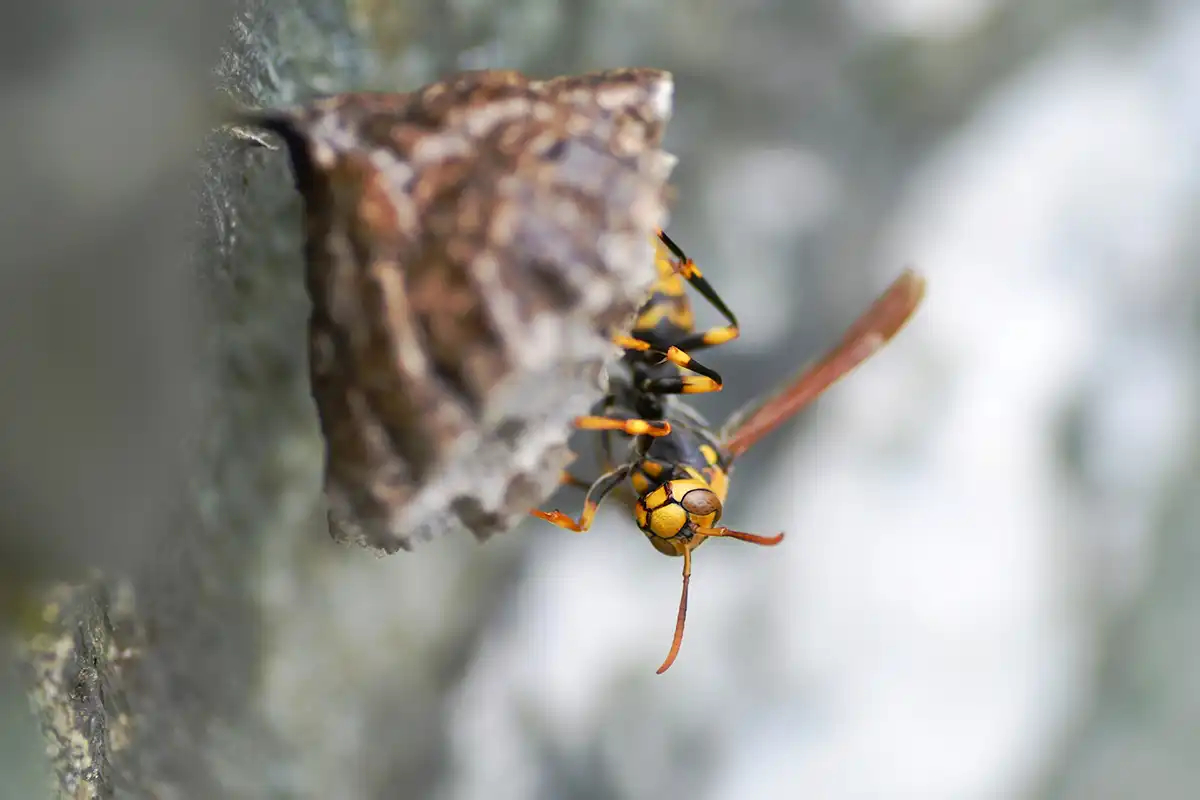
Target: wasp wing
<point x="873" y="329"/>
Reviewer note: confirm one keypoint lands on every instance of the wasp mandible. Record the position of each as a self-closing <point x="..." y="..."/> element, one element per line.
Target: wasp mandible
<point x="677" y="463"/>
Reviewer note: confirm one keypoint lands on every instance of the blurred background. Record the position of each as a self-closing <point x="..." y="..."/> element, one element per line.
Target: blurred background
<point x="992" y="572"/>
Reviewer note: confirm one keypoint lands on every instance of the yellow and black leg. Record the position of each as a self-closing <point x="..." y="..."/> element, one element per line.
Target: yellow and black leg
<point x="691" y="273"/>
<point x="605" y="423"/>
<point x="709" y="338"/>
<point x="596" y="494"/>
<point x="682" y="384"/>
<point x="705" y="380"/>
<point x="629" y="427"/>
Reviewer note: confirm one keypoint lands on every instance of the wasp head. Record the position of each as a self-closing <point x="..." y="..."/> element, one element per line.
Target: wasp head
<point x="670" y="513"/>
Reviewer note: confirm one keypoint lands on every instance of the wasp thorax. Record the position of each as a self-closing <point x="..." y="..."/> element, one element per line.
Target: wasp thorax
<point x="702" y="502"/>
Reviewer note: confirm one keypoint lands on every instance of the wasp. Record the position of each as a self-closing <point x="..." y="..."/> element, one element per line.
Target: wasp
<point x="678" y="465"/>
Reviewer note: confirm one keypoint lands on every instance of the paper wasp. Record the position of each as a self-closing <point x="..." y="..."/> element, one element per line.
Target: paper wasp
<point x="677" y="463"/>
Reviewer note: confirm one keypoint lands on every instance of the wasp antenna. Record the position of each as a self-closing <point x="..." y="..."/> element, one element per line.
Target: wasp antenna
<point x="753" y="538"/>
<point x="682" y="616"/>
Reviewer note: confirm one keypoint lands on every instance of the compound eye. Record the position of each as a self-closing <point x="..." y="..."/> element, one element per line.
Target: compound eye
<point x="701" y="502"/>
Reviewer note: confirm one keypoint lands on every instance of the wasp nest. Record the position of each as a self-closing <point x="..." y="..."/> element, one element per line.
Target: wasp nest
<point x="470" y="248"/>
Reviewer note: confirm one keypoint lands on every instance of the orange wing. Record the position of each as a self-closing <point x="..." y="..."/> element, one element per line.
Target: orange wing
<point x="877" y="325"/>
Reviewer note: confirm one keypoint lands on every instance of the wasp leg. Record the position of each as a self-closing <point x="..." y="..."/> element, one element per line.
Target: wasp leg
<point x="691" y="273"/>
<point x="706" y="380"/>
<point x="595" y="496"/>
<point x="712" y="337"/>
<point x="630" y="427"/>
<point x="709" y="338"/>
<point x="682" y="384"/>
